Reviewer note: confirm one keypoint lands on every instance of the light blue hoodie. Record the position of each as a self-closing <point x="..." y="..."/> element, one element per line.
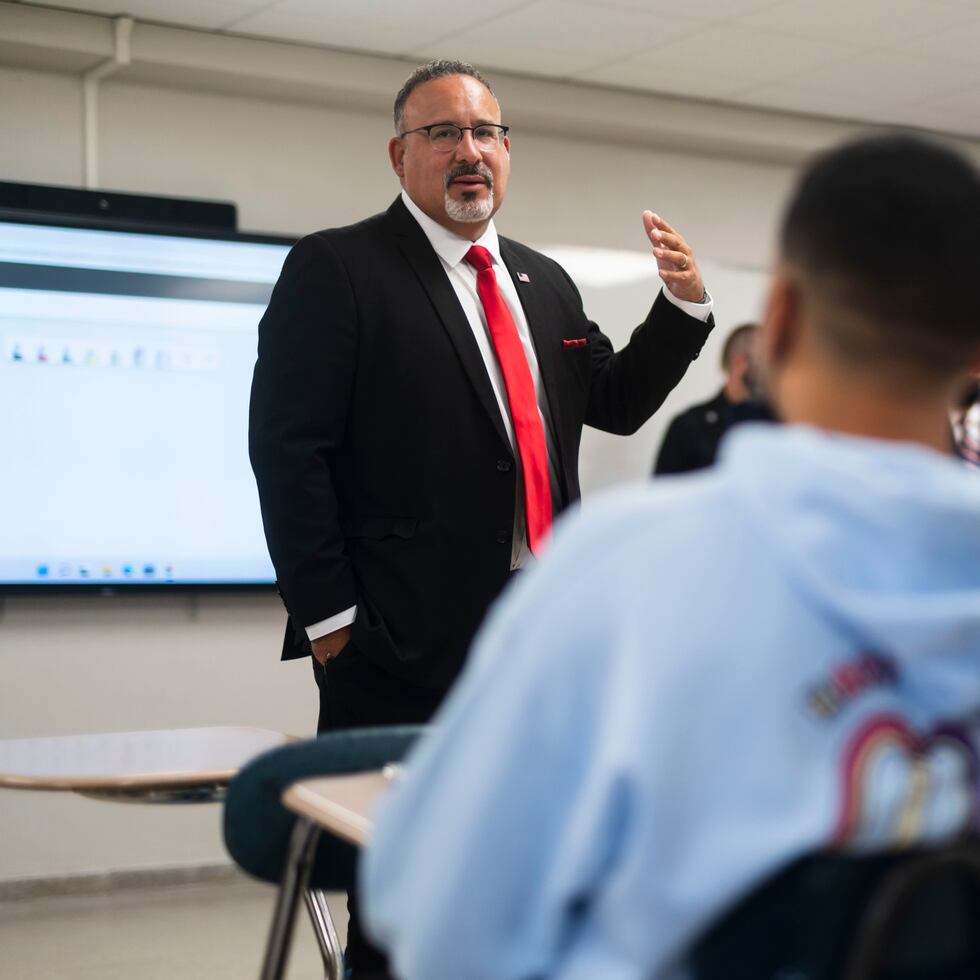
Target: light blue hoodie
<point x="704" y="678"/>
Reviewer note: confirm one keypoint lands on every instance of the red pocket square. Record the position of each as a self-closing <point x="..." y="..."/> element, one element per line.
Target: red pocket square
<point x="576" y="342"/>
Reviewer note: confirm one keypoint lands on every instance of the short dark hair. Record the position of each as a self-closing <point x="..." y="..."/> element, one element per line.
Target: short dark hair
<point x="737" y="342"/>
<point x="886" y="232"/>
<point x="426" y="73"/>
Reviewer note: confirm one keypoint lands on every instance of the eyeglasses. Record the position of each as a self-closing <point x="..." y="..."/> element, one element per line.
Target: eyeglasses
<point x="446" y="136"/>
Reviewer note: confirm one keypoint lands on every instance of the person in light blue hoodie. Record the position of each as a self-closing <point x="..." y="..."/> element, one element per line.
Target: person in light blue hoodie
<point x="708" y="677"/>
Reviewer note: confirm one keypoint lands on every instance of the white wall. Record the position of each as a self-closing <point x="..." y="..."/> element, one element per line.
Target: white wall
<point x="296" y="136"/>
<point x="124" y="664"/>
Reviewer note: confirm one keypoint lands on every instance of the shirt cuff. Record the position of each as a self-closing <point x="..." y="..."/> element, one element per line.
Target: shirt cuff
<point x="700" y="311"/>
<point x="331" y="624"/>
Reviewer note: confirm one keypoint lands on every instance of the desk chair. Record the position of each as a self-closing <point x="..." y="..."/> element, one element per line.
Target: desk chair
<point x="271" y="843"/>
<point x="908" y="915"/>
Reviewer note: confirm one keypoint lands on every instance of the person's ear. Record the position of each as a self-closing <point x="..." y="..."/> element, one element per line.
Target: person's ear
<point x="396" y="153"/>
<point x="781" y="319"/>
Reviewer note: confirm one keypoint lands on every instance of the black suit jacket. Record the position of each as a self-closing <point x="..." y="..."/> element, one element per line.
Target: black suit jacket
<point x="691" y="440"/>
<point x="385" y="475"/>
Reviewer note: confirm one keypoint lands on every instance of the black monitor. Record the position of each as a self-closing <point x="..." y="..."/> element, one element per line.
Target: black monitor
<point x="126" y="355"/>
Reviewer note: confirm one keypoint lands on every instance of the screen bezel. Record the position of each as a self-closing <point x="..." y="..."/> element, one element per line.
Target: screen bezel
<point x="48" y="219"/>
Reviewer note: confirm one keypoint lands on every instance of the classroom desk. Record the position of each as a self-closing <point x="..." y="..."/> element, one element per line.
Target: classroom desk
<point x="342" y="806"/>
<point x="183" y="765"/>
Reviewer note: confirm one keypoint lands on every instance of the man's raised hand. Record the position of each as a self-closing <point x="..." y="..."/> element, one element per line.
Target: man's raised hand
<point x="675" y="260"/>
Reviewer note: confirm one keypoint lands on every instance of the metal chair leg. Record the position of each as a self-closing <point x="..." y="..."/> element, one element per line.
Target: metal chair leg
<point x="326" y="934"/>
<point x="296" y="875"/>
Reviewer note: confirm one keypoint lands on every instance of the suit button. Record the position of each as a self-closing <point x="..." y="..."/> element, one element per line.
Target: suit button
<point x="502" y="537"/>
<point x="504" y="465"/>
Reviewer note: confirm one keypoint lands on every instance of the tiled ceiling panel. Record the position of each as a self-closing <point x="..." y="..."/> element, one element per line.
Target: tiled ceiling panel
<point x="514" y="57"/>
<point x="710" y="11"/>
<point x="751" y="54"/>
<point x="655" y="74"/>
<point x="382" y="26"/>
<point x="877" y="23"/>
<point x="587" y="29"/>
<point x="209" y="15"/>
<point x="911" y="62"/>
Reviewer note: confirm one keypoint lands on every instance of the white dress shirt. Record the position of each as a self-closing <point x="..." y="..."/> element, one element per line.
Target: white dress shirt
<point x="451" y="250"/>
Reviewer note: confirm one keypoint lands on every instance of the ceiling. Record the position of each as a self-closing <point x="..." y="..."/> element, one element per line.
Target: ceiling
<point x="910" y="62"/>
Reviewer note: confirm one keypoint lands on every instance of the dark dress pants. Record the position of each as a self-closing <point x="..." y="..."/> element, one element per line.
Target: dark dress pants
<point x="354" y="693"/>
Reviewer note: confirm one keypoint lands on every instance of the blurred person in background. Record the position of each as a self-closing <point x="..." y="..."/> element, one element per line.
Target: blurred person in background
<point x="692" y="438"/>
<point x="964" y="419"/>
<point x="629" y="751"/>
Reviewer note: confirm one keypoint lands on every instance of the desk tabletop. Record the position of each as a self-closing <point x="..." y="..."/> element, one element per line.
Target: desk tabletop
<point x="132" y="761"/>
<point x="344" y="805"/>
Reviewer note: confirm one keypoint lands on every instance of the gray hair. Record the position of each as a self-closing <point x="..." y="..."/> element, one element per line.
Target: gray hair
<point x="426" y="73"/>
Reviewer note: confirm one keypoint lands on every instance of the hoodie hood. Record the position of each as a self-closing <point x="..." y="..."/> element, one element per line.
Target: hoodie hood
<point x="882" y="537"/>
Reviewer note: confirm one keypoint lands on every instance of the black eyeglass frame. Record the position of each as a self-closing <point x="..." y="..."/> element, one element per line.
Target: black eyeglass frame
<point x="504" y="130"/>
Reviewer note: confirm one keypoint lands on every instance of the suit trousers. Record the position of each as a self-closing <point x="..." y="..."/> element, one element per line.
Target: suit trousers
<point x="355" y="693"/>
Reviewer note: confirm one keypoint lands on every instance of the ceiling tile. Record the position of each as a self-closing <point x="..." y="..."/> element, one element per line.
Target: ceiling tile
<point x="595" y="32"/>
<point x="322" y="28"/>
<point x="753" y="55"/>
<point x="710" y="11"/>
<point x="875" y="23"/>
<point x="182" y="13"/>
<point x="648" y="74"/>
<point x="960" y="44"/>
<point x="431" y="16"/>
<point x="383" y="26"/>
<point x="522" y="59"/>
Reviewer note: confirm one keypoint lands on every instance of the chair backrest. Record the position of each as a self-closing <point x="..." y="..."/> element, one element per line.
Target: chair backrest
<point x="257" y="827"/>
<point x="909" y="915"/>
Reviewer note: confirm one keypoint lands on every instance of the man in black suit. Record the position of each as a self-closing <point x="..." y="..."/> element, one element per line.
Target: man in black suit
<point x="417" y="408"/>
<point x="692" y="438"/>
<point x="381" y="432"/>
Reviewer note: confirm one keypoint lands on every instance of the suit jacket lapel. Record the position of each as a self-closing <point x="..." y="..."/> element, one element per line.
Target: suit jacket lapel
<point x="431" y="274"/>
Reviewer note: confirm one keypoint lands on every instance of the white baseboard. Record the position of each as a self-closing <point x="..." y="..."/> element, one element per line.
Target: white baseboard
<point x="104" y="882"/>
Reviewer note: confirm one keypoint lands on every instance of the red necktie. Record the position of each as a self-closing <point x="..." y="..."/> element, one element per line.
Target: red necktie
<point x="524" y="413"/>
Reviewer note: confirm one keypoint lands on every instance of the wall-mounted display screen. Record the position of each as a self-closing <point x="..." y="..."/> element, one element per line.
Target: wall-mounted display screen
<point x="125" y="364"/>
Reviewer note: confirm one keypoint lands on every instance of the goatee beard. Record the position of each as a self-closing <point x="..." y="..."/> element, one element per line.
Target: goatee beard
<point x="469" y="212"/>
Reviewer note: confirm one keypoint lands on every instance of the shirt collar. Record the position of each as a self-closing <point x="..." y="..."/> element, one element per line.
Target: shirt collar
<point x="449" y="247"/>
